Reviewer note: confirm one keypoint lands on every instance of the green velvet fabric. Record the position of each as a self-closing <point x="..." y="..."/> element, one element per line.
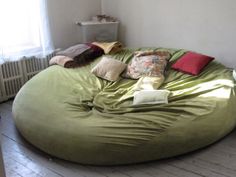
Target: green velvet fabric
<point x="73" y="115"/>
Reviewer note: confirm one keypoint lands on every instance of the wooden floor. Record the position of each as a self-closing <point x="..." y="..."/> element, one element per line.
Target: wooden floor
<point x="23" y="160"/>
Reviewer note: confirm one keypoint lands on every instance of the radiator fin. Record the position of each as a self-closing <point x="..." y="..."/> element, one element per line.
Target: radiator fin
<point x="10" y="69"/>
<point x="13" y="75"/>
<point x="13" y="86"/>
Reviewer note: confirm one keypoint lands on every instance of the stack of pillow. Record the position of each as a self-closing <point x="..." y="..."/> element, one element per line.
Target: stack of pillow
<point x="150" y="64"/>
<point x="148" y="68"/>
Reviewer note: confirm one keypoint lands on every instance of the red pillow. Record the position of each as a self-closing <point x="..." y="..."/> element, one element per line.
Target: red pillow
<point x="192" y="63"/>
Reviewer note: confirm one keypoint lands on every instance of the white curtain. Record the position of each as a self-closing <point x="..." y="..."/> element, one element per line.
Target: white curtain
<point x="24" y="29"/>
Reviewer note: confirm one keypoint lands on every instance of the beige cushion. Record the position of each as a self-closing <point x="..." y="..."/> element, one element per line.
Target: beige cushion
<point x="151" y="97"/>
<point x="109" y="68"/>
<point x="149" y="83"/>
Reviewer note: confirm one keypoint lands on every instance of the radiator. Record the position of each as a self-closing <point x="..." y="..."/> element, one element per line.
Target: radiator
<point x="13" y="75"/>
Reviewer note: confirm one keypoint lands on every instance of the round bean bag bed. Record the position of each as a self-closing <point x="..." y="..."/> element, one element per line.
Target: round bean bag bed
<point x="74" y="115"/>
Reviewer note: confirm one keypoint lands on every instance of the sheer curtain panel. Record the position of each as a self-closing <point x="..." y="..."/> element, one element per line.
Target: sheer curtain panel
<point x="24" y="29"/>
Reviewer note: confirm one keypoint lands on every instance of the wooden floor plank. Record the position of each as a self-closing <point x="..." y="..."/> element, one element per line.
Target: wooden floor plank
<point x="211" y="166"/>
<point x="19" y="169"/>
<point x="149" y="169"/>
<point x="7" y="107"/>
<point x="63" y="168"/>
<point x="10" y="102"/>
<point x="108" y="171"/>
<point x="218" y="159"/>
<point x="11" y="173"/>
<point x="178" y="172"/>
<point x="25" y="161"/>
<point x="157" y="172"/>
<point x="132" y="171"/>
<point x="36" y="162"/>
<point x="190" y="167"/>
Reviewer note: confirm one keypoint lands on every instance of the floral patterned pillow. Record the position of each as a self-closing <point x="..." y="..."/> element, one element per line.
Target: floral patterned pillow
<point x="147" y="63"/>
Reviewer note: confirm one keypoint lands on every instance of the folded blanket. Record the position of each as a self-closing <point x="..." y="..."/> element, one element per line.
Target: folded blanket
<point x="74" y="51"/>
<point x="109" y="47"/>
<point x="77" y="56"/>
<point x="60" y="60"/>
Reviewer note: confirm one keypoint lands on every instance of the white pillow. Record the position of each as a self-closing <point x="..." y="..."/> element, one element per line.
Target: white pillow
<point x="151" y="97"/>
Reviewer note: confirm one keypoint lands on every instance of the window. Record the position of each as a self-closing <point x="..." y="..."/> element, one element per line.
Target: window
<point x="24" y="29"/>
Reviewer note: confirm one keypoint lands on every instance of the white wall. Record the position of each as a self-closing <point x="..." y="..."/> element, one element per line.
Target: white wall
<point x="62" y="17"/>
<point x="206" y="26"/>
